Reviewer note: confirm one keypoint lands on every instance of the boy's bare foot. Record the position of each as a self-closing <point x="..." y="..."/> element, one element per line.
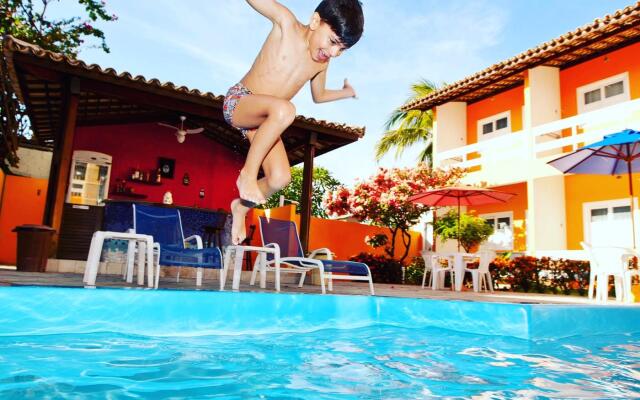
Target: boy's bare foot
<point x="238" y="230"/>
<point x="249" y="190"/>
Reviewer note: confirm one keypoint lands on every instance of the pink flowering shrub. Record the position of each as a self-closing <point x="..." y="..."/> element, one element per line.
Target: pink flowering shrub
<point x="383" y="199"/>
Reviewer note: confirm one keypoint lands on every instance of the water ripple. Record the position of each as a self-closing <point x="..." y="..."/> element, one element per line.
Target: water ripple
<point x="372" y="362"/>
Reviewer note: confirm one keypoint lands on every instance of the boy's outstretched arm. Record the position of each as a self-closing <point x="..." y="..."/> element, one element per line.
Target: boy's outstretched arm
<point x="276" y="12"/>
<point x="321" y="94"/>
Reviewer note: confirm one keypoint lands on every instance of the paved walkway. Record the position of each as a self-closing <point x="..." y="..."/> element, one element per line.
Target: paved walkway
<point x="10" y="277"/>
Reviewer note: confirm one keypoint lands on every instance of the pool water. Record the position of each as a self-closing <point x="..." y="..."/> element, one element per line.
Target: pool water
<point x="379" y="362"/>
<point x="380" y="359"/>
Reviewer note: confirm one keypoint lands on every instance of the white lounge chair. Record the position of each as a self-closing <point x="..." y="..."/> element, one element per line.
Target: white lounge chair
<point x="284" y="235"/>
<point x="170" y="245"/>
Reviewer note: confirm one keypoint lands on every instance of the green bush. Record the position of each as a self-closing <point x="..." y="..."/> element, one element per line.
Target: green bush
<point x="473" y="230"/>
<point x="541" y="275"/>
<point x="377" y="240"/>
<point x="521" y="274"/>
<point x="414" y="271"/>
<point x="383" y="269"/>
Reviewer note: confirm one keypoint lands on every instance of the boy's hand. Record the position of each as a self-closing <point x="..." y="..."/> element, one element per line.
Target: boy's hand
<point x="349" y="90"/>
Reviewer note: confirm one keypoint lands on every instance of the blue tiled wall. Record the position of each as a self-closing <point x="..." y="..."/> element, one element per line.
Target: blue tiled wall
<point x="118" y="217"/>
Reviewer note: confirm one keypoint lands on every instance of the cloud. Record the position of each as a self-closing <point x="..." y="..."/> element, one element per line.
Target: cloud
<point x="226" y="62"/>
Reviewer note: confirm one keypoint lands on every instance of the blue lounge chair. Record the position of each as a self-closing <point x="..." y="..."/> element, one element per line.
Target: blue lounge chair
<point x="170" y="245"/>
<point x="284" y="236"/>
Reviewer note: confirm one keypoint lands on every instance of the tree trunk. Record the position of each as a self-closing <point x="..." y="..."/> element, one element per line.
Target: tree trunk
<point x="391" y="250"/>
<point x="406" y="240"/>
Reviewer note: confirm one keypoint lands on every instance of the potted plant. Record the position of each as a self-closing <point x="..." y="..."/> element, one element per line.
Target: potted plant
<point x="473" y="230"/>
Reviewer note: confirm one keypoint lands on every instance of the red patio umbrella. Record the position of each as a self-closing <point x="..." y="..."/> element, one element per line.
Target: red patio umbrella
<point x="460" y="196"/>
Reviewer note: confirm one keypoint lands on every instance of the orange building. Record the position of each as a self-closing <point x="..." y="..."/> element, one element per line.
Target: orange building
<point x="506" y="122"/>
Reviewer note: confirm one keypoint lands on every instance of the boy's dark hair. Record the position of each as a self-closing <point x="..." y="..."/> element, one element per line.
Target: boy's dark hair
<point x="344" y="17"/>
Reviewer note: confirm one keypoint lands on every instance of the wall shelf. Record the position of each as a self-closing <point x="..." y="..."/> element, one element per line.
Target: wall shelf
<point x="129" y="194"/>
<point x="152" y="183"/>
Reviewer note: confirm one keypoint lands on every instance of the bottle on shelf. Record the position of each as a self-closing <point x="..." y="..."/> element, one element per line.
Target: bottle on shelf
<point x="158" y="176"/>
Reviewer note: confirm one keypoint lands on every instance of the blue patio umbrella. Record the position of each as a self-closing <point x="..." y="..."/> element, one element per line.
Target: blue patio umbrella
<point x="615" y="154"/>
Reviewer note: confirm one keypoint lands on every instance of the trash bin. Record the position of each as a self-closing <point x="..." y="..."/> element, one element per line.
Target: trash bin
<point x="33" y="247"/>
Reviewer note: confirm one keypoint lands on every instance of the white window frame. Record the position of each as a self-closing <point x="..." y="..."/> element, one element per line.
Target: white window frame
<point x="495" y="216"/>
<point x="603" y="102"/>
<point x="609" y="204"/>
<point x="493" y="120"/>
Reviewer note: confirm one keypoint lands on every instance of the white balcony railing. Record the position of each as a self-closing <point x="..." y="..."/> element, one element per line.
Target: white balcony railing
<point x="543" y="142"/>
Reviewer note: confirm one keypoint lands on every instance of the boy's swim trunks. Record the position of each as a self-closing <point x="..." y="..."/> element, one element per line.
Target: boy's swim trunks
<point x="235" y="93"/>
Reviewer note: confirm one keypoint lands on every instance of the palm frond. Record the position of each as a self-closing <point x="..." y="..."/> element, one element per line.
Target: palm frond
<point x="422" y="88"/>
<point x="400" y="139"/>
<point x="404" y="129"/>
<point x="394" y="119"/>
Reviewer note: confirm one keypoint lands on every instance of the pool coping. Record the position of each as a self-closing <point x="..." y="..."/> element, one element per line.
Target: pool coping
<point x="343" y="287"/>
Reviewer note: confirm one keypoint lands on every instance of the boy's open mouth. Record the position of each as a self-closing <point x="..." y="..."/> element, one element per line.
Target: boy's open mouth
<point x="322" y="56"/>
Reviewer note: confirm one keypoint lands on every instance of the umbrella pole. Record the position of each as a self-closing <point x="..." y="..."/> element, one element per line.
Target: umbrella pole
<point x="458" y="225"/>
<point x="633" y="220"/>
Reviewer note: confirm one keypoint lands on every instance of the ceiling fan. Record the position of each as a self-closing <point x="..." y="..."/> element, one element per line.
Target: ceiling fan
<point x="181" y="133"/>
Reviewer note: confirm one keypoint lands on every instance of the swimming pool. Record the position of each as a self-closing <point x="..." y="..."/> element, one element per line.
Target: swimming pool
<point x="78" y="343"/>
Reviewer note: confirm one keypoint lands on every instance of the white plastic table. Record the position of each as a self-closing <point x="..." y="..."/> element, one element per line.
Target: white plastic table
<point x="261" y="264"/>
<point x="145" y="251"/>
<point x="458" y="265"/>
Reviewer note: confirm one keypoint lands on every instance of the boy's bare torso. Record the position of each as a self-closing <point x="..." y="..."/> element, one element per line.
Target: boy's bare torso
<point x="284" y="63"/>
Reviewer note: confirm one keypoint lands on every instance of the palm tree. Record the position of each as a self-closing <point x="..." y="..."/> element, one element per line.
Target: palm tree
<point x="407" y="128"/>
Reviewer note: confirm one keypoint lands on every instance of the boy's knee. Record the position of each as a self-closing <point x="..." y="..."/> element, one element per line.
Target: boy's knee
<point x="279" y="179"/>
<point x="285" y="112"/>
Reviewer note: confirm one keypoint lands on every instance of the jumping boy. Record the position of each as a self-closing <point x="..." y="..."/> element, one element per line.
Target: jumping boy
<point x="259" y="105"/>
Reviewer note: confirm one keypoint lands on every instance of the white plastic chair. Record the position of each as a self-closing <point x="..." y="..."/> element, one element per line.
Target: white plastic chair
<point x="592" y="268"/>
<point x="438" y="272"/>
<point x="610" y="261"/>
<point x="481" y="275"/>
<point x="428" y="260"/>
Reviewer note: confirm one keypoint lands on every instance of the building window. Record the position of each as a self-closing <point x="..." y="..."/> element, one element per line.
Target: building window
<point x="495" y="125"/>
<point x="502" y="223"/>
<point x="608" y="223"/>
<point x="603" y="93"/>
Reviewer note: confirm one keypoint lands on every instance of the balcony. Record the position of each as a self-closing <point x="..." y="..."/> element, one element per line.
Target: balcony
<point x="523" y="155"/>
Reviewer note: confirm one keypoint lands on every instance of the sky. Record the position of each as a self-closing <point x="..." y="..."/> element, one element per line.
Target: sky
<point x="210" y="45"/>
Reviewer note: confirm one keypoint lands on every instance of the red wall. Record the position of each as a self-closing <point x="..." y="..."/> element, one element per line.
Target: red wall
<point x="210" y="165"/>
